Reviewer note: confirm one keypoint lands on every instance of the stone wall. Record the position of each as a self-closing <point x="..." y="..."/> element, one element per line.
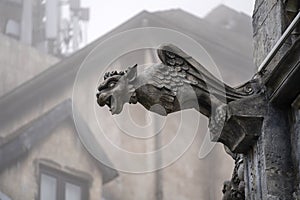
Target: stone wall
<point x="269" y="170"/>
<point x="269" y="22"/>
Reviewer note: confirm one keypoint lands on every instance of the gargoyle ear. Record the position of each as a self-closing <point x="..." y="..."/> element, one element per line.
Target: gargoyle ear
<point x="132" y="73"/>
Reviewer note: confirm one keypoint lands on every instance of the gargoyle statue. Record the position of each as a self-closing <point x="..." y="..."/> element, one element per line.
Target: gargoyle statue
<point x="178" y="83"/>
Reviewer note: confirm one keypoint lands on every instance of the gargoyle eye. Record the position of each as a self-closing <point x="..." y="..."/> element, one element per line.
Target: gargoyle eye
<point x="111" y="84"/>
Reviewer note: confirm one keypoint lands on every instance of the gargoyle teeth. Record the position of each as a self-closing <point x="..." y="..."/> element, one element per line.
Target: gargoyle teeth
<point x="108" y="101"/>
<point x="133" y="99"/>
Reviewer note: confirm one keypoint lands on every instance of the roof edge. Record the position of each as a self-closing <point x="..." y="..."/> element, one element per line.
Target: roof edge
<point x="20" y="142"/>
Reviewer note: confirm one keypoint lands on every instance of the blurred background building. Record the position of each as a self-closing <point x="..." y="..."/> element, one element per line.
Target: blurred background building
<point x="41" y="156"/>
<point x="56" y="27"/>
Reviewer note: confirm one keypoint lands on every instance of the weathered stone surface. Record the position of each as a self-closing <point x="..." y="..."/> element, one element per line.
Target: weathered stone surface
<point x="243" y="124"/>
<point x="269" y="168"/>
<point x="258" y="3"/>
<point x="269" y="22"/>
<point x="295" y="141"/>
<point x="261" y="12"/>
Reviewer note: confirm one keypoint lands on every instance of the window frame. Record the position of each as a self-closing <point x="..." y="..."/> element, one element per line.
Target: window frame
<point x="62" y="178"/>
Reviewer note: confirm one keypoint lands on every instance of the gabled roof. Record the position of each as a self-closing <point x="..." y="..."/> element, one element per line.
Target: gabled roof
<point x="21" y="142"/>
<point x="230" y="50"/>
<point x="228" y="18"/>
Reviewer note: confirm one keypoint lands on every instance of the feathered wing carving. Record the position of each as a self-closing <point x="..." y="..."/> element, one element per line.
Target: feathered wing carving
<point x="179" y="67"/>
<point x="170" y="78"/>
<point x="167" y="84"/>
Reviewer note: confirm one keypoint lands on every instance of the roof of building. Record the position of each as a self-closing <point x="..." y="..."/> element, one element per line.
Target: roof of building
<point x="19" y="143"/>
<point x="228" y="18"/>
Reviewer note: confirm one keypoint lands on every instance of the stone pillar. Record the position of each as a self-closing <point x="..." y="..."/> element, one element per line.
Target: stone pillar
<point x="268" y="165"/>
<point x="296" y="146"/>
<point x="258" y="127"/>
<point x="269" y="22"/>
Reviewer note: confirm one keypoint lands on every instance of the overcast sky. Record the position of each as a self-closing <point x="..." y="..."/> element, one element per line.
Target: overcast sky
<point x="108" y="14"/>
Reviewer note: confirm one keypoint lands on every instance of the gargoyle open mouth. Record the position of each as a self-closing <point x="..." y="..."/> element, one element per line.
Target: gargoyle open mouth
<point x="108" y="101"/>
<point x="111" y="102"/>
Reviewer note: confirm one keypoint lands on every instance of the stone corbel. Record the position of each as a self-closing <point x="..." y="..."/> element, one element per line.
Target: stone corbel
<point x="238" y="124"/>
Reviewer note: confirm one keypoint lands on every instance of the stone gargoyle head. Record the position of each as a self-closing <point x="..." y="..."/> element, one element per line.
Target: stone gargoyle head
<point x="117" y="89"/>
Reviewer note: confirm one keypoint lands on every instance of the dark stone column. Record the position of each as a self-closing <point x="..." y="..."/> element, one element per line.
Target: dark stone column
<point x="268" y="165"/>
<point x="295" y="137"/>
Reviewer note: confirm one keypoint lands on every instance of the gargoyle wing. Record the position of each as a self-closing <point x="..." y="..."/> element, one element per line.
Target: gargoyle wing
<point x="196" y="75"/>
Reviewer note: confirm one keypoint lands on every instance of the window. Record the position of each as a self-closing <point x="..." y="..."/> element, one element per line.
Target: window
<point x="57" y="185"/>
<point x="4" y="196"/>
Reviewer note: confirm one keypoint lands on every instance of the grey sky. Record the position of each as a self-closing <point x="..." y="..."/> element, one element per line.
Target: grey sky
<point x="106" y="15"/>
